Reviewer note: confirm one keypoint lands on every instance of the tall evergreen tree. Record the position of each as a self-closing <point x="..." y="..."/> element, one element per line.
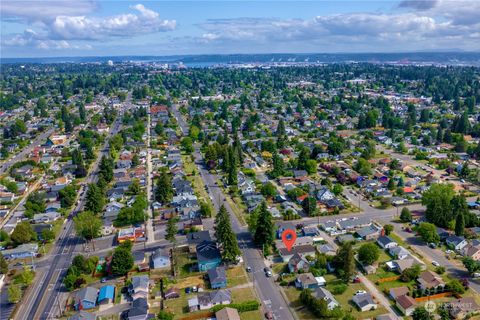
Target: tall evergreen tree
<point x="278" y="166"/>
<point x="164" y="190"/>
<point x="225" y="236"/>
<point x="460" y="224"/>
<point x="95" y="200"/>
<point x="346" y="261"/>
<point x="264" y="227"/>
<point x="105" y="168"/>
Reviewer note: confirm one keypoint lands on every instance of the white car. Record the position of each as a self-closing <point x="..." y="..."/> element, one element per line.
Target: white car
<point x="359" y="292"/>
<point x="435" y="263"/>
<point x="448" y="251"/>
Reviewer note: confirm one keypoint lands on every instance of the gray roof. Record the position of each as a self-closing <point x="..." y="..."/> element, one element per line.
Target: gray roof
<point x="140" y="282"/>
<point x="207" y="251"/>
<point x="88" y="293"/>
<point x="384" y="240"/>
<point x="363" y="300"/>
<point x="214" y="297"/>
<point x="322" y="293"/>
<point x="217" y="275"/>
<point x="83" y="315"/>
<point x="368" y="230"/>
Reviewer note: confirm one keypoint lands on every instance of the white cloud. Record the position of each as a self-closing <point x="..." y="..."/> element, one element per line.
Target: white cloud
<point x="44" y="10"/>
<point x="31" y="38"/>
<point x="433" y="25"/>
<point x="62" y="28"/>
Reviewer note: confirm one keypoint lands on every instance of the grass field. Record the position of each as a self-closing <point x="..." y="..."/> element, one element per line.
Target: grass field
<point x="343" y="299"/>
<point x="197" y="183"/>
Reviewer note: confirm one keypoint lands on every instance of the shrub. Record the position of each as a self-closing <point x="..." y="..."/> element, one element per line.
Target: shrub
<point x="241" y="307"/>
<point x="339" y="289"/>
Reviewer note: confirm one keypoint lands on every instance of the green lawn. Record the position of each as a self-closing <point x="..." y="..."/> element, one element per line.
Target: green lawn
<point x="197" y="183"/>
<point x="236" y="276"/>
<point x="343" y="299"/>
<point x="184" y="264"/>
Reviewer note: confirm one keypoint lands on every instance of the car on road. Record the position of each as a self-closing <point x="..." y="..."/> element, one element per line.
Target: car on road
<point x="249" y="269"/>
<point x="359" y="292"/>
<point x="269" y="315"/>
<point x="435" y="263"/>
<point x="267" y="271"/>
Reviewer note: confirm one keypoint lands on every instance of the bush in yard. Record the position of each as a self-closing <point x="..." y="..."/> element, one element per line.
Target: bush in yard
<point x="241" y="307"/>
<point x="339" y="289"/>
<point x="164" y="315"/>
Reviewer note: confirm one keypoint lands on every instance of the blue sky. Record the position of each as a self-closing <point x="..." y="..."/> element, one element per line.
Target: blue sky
<point x="42" y="28"/>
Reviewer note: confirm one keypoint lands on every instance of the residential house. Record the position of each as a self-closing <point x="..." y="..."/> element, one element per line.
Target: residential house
<point x="298" y="263"/>
<point x="456" y="243"/>
<point x="195" y="238"/>
<point x="217" y="277"/>
<point x="309" y="281"/>
<point x="472" y="251"/>
<point x="46" y="217"/>
<point x="430" y="280"/>
<point x="227" y="314"/>
<point x="207" y="300"/>
<point x="322" y="293"/>
<point x="406" y="304"/>
<point x="139" y="287"/>
<point x="462" y="308"/>
<point x="25" y="250"/>
<point x="386" y="242"/>
<point x="160" y="259"/>
<point x="369" y="232"/>
<point x="106" y="295"/>
<point x="327" y="249"/>
<point x="399" y="252"/>
<point x="364" y="302"/>
<point x="394" y="293"/>
<point x="306" y="250"/>
<point x="324" y="194"/>
<point x="208" y="255"/>
<point x="139" y="310"/>
<point x="83" y="315"/>
<point x="86" y="298"/>
<point x="171" y="293"/>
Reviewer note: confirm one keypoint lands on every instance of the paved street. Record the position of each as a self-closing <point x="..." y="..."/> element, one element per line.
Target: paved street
<point x="41" y="138"/>
<point x="46" y="305"/>
<point x="269" y="293"/>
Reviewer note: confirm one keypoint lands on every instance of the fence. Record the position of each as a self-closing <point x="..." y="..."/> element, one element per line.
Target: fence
<point x="389" y="279"/>
<point x="433" y="297"/>
<point x="196" y="316"/>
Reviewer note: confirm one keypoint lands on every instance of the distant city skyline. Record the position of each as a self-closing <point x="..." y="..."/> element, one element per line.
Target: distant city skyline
<point x="106" y="28"/>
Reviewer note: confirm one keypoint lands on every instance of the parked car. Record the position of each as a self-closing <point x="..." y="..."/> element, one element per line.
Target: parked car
<point x="103" y="280"/>
<point x="249" y="269"/>
<point x="267" y="271"/>
<point x="476" y="275"/>
<point x="432" y="245"/>
<point x="359" y="292"/>
<point x="435" y="263"/>
<point x="269" y="315"/>
<point x="188" y="290"/>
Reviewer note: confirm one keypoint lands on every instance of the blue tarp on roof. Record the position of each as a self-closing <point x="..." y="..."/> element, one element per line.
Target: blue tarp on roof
<point x="106" y="292"/>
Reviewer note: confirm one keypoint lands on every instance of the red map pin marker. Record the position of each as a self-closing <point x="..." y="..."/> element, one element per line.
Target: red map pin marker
<point x="289" y="237"/>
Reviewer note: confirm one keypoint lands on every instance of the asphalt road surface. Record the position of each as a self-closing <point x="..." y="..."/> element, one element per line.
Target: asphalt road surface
<point x="43" y="301"/>
<point x="269" y="293"/>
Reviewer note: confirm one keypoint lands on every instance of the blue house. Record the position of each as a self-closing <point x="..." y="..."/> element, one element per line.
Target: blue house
<point x="106" y="295"/>
<point x="217" y="278"/>
<point x="86" y="298"/>
<point x="208" y="255"/>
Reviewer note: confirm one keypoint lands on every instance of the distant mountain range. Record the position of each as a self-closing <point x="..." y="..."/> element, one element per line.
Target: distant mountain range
<point x="446" y="58"/>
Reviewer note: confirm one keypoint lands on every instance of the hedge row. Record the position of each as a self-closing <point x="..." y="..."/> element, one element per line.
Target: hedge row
<point x="241" y="307"/>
